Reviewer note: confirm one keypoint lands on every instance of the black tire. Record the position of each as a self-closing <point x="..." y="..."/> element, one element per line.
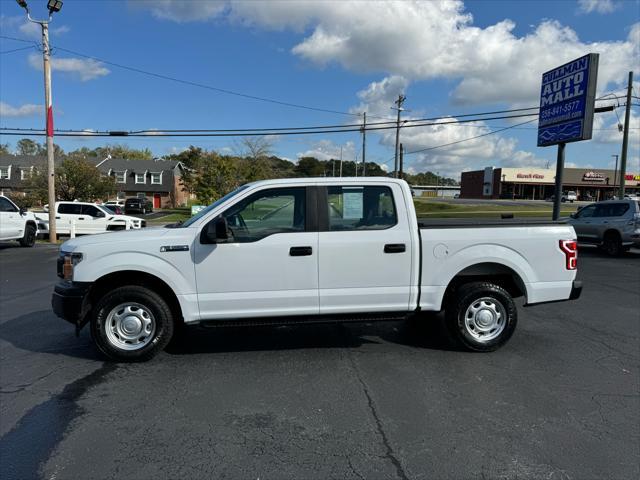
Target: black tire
<point x="612" y="244"/>
<point x="29" y="238"/>
<point x="149" y="300"/>
<point x="461" y="328"/>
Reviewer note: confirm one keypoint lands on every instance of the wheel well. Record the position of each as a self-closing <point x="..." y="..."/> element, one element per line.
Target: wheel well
<point x="496" y="273"/>
<point x="135" y="277"/>
<point x="32" y="223"/>
<point x="611" y="231"/>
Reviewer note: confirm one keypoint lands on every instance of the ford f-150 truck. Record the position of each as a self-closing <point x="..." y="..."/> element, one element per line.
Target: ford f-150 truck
<point x="310" y="250"/>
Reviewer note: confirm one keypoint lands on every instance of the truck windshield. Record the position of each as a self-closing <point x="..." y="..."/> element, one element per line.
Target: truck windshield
<point x="206" y="210"/>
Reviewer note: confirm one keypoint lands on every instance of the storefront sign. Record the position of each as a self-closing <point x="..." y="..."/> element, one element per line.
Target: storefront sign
<point x="632" y="177"/>
<point x="567" y="98"/>
<point x="529" y="176"/>
<point x="595" y="177"/>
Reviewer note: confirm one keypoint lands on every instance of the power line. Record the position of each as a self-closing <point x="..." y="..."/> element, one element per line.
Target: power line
<point x="15" y="39"/>
<point x="241" y="133"/>
<point x="17" y="49"/>
<point x="471" y="138"/>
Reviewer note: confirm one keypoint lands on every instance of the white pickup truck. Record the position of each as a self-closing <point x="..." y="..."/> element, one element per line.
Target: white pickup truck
<point x="310" y="250"/>
<point x="17" y="223"/>
<point x="84" y="218"/>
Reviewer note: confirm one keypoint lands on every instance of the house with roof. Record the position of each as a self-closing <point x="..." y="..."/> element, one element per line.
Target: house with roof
<point x="156" y="179"/>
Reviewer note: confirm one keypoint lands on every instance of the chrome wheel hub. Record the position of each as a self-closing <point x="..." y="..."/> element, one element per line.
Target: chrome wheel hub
<point x="485" y="319"/>
<point x="130" y="326"/>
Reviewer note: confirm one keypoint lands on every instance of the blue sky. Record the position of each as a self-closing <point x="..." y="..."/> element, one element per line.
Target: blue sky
<point x="449" y="58"/>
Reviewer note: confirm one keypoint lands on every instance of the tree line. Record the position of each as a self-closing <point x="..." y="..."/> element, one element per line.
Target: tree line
<point x="207" y="174"/>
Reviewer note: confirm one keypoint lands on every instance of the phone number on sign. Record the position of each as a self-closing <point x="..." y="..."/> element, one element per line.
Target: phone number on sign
<point x="559" y="110"/>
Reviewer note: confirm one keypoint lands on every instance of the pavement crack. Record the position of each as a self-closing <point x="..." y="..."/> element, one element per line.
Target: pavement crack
<point x="24" y="386"/>
<point x="389" y="454"/>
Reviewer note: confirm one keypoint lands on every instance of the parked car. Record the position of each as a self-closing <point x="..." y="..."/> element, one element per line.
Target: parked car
<point x="88" y="218"/>
<point x="17" y="223"/>
<point x="115" y="209"/>
<point x="569" y="196"/>
<point x="613" y="225"/>
<point x="119" y="203"/>
<point x="310" y="250"/>
<point x="456" y="196"/>
<point x="138" y="205"/>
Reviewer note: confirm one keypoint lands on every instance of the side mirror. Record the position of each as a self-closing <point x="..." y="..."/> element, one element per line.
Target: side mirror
<point x="23" y="210"/>
<point x="215" y="232"/>
<point x="573" y="215"/>
<point x="100" y="214"/>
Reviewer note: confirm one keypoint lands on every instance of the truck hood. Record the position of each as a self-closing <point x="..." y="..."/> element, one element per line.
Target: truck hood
<point x="135" y="237"/>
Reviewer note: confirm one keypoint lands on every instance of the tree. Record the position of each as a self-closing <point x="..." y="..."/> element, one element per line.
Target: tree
<point x="217" y="177"/>
<point x="76" y="179"/>
<point x="256" y="150"/>
<point x="310" y="167"/>
<point x="4" y="149"/>
<point x="192" y="160"/>
<point x="26" y="146"/>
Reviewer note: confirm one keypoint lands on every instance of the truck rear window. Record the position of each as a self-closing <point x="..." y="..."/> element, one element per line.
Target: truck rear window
<point x="361" y="208"/>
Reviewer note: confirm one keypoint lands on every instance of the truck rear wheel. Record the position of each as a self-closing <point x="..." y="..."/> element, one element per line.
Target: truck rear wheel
<point x="131" y="324"/>
<point x="481" y="316"/>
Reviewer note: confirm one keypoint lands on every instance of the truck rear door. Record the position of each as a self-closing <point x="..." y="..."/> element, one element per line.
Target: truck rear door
<point x="365" y="252"/>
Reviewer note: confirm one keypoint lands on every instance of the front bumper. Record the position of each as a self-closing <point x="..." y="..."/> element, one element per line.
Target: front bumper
<point x="70" y="302"/>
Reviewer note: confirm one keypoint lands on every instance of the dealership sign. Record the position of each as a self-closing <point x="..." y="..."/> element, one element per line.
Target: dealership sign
<point x="567" y="98"/>
<point x="593" y="177"/>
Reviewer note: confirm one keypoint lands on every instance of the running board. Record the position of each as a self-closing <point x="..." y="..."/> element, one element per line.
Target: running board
<point x="305" y="320"/>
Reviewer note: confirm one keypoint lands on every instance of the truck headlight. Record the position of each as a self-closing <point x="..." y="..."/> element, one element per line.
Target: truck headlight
<point x="66" y="263"/>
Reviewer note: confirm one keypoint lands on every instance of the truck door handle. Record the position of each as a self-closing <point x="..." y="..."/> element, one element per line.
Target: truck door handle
<point x="395" y="248"/>
<point x="57" y="218"/>
<point x="300" y="251"/>
<point x="80" y="218"/>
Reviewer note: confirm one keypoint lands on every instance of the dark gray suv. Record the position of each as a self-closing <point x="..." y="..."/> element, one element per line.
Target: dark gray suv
<point x="138" y="205"/>
<point x="613" y="225"/>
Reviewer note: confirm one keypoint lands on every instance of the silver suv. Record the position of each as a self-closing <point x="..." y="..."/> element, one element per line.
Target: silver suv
<point x="613" y="225"/>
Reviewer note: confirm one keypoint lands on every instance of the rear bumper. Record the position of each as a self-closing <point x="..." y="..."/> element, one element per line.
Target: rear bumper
<point x="70" y="301"/>
<point x="576" y="290"/>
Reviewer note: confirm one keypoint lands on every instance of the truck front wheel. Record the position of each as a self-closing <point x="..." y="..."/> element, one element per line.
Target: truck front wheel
<point x="481" y="316"/>
<point x="131" y="324"/>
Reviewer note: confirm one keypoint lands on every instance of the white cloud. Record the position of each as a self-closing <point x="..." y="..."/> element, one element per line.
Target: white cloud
<point x="33" y="30"/>
<point x="423" y="40"/>
<point x="10" y="22"/>
<point x="182" y="11"/>
<point x="26" y="110"/>
<point x="83" y="69"/>
<point x="326" y="150"/>
<point x="599" y="6"/>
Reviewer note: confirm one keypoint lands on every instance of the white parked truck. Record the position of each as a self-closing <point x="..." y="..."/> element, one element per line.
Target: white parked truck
<point x="17" y="223"/>
<point x="310" y="250"/>
<point x="84" y="218"/>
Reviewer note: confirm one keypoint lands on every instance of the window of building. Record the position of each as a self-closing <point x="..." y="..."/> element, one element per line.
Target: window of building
<point x="25" y="173"/>
<point x="277" y="210"/>
<point x="5" y="173"/>
<point x="156" y="178"/>
<point x="361" y="208"/>
<point x="121" y="177"/>
<point x="141" y="195"/>
<point x="141" y="177"/>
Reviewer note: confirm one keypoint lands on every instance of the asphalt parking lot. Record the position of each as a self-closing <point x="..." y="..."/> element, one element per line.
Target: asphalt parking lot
<point x="560" y="401"/>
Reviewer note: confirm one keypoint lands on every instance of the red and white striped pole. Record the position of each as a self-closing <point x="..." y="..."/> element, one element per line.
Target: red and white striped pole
<point x="50" y="149"/>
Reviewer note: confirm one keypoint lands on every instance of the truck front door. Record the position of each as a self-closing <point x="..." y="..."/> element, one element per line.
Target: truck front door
<point x="269" y="264"/>
<point x="365" y="251"/>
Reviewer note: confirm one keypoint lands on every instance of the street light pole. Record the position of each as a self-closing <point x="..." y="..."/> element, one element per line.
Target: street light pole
<point x="615" y="174"/>
<point x="53" y="6"/>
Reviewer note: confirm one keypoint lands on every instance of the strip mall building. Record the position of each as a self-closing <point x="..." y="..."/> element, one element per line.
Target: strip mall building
<point x="539" y="183"/>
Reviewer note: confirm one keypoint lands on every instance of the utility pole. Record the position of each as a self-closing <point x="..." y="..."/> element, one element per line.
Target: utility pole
<point x="364" y="144"/>
<point x="333" y="167"/>
<point x="615" y="173"/>
<point x="401" y="161"/>
<point x="625" y="136"/>
<point x="399" y="102"/>
<point x="437" y="183"/>
<point x="356" y="164"/>
<point x="340" y="162"/>
<point x="53" y="6"/>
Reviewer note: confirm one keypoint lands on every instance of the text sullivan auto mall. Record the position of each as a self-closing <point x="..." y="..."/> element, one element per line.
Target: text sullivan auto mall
<point x="538" y="183"/>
